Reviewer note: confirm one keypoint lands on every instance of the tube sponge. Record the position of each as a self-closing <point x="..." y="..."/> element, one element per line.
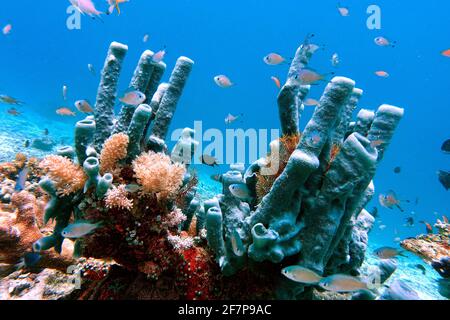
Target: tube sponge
<point x="383" y="127"/>
<point x="364" y="121"/>
<point x="67" y="152"/>
<point x="152" y="86"/>
<point x="84" y="136"/>
<point x="139" y="81"/>
<point x="106" y="94"/>
<point x="136" y="130"/>
<point x="185" y="148"/>
<point x="169" y="102"/>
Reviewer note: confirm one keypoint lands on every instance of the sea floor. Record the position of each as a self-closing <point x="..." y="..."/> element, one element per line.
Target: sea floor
<point x="14" y="131"/>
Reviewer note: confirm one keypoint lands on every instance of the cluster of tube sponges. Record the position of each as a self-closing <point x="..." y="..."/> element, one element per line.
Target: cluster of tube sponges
<point x="314" y="210"/>
<point x="103" y="141"/>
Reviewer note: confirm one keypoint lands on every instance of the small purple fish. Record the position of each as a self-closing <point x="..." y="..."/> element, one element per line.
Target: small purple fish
<point x="309" y="76"/>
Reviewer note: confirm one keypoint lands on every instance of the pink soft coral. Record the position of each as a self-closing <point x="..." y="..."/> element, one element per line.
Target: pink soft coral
<point x="67" y="176"/>
<point x="156" y="173"/>
<point x="117" y="198"/>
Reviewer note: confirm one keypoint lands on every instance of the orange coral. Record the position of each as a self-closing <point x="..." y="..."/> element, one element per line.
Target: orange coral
<point x="114" y="150"/>
<point x="335" y="149"/>
<point x="117" y="198"/>
<point x="67" y="176"/>
<point x="156" y="173"/>
<point x="264" y="183"/>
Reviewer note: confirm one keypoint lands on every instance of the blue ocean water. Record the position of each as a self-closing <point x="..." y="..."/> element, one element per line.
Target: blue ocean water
<point x="41" y="54"/>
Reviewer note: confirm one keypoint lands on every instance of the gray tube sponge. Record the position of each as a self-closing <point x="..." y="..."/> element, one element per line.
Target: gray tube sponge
<point x="136" y="130"/>
<point x="84" y="135"/>
<point x="139" y="81"/>
<point x="106" y="94"/>
<point x="326" y="212"/>
<point x="104" y="184"/>
<point x="194" y="205"/>
<point x="92" y="169"/>
<point x="383" y="127"/>
<point x="185" y="148"/>
<point x="364" y="120"/>
<point x="66" y="151"/>
<point x="214" y="225"/>
<point x="152" y="86"/>
<point x="169" y="103"/>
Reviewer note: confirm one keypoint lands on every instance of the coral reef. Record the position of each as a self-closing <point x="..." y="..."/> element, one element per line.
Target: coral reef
<point x="305" y="202"/>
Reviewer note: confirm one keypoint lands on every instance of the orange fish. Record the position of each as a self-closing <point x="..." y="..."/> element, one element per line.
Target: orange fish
<point x="273" y="59"/>
<point x="159" y="56"/>
<point x="389" y="200"/>
<point x="65" y="112"/>
<point x="428" y="227"/>
<point x="223" y="81"/>
<point x="7" y="29"/>
<point x="84" y="106"/>
<point x="14" y="112"/>
<point x="446" y="53"/>
<point x="343" y="11"/>
<point x="310" y="102"/>
<point x="376" y="143"/>
<point x="277" y="82"/>
<point x="382" y="74"/>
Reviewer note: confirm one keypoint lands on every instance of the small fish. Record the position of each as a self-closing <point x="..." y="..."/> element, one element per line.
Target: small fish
<point x="382" y="227"/>
<point x="145" y="38"/>
<point x="208" y="160"/>
<point x="115" y="4"/>
<point x="236" y="244"/>
<point x="240" y="191"/>
<point x="314" y="139"/>
<point x="133" y="98"/>
<point x="21" y="179"/>
<point x="5" y="99"/>
<point x="311" y="102"/>
<point x="446" y="53"/>
<point x="91" y="69"/>
<point x="301" y="275"/>
<point x="343" y="11"/>
<point x="159" y="56"/>
<point x="29" y="260"/>
<point x="444" y="179"/>
<point x="14" y="112"/>
<point x="428" y="227"/>
<point x="376" y="143"/>
<point x="84" y="106"/>
<point x="446" y="146"/>
<point x="64" y="92"/>
<point x="445" y="219"/>
<point x="7" y="29"/>
<point x="216" y="177"/>
<point x="86" y="7"/>
<point x="79" y="229"/>
<point x="335" y="60"/>
<point x="390" y="200"/>
<point x="223" y="81"/>
<point x="273" y="59"/>
<point x="388" y="253"/>
<point x="410" y="222"/>
<point x="230" y="118"/>
<point x="27" y="143"/>
<point x="133" y="188"/>
<point x="397" y="170"/>
<point x="384" y="42"/>
<point x="342" y="283"/>
<point x="309" y="76"/>
<point x="276" y="81"/>
<point x="421" y="268"/>
<point x="65" y="112"/>
<point x="45" y="132"/>
<point x="382" y="74"/>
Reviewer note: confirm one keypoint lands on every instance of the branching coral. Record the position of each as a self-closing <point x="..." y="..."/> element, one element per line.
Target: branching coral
<point x="156" y="173"/>
<point x="67" y="176"/>
<point x="114" y="150"/>
<point x="117" y="198"/>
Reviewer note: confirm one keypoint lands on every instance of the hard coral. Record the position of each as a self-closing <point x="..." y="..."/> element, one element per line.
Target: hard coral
<point x="114" y="150"/>
<point x="156" y="173"/>
<point x="68" y="176"/>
